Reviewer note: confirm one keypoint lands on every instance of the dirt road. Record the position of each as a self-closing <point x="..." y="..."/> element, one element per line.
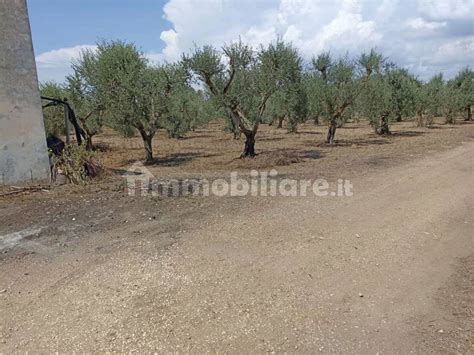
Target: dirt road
<point x="388" y="270"/>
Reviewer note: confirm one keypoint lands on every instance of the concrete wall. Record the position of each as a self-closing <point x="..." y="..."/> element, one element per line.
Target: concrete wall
<point x="23" y="151"/>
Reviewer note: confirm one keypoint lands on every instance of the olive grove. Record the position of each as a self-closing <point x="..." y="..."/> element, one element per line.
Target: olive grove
<point x="116" y="86"/>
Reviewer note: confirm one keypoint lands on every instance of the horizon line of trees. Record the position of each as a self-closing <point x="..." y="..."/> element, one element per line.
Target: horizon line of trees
<point x="116" y="86"/>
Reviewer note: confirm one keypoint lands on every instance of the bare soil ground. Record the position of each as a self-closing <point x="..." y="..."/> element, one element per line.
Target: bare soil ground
<point x="388" y="270"/>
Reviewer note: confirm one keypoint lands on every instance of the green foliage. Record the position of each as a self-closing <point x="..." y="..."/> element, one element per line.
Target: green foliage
<point x="290" y="103"/>
<point x="376" y="103"/>
<point x="336" y="83"/>
<point x="434" y="91"/>
<point x="428" y="99"/>
<point x="53" y="115"/>
<point x="138" y="96"/>
<point x="116" y="86"/>
<point x="403" y="92"/>
<point x="450" y="101"/>
<point x="119" y="77"/>
<point x="388" y="95"/>
<point x="246" y="82"/>
<point x="83" y="96"/>
<point x="188" y="110"/>
<point x="313" y="88"/>
<point x="464" y="86"/>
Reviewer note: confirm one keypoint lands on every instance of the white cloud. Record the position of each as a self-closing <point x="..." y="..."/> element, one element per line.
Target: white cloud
<point x="62" y="56"/>
<point x="411" y="33"/>
<point x="447" y="9"/>
<point x="56" y="64"/>
<point x="420" y="24"/>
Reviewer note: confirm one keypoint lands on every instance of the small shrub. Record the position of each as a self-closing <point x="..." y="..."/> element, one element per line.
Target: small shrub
<point x="77" y="164"/>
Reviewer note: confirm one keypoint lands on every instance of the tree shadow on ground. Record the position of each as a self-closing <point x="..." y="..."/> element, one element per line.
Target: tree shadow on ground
<point x="463" y="122"/>
<point x="197" y="136"/>
<point x="361" y="142"/>
<point x="177" y="159"/>
<point x="269" y="139"/>
<point x="309" y="132"/>
<point x="442" y="127"/>
<point x="170" y="160"/>
<point x="101" y="147"/>
<point x="312" y="154"/>
<point x="267" y="159"/>
<point x="407" y="134"/>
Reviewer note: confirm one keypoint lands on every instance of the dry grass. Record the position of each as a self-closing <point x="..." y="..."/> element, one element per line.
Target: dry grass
<point x="212" y="151"/>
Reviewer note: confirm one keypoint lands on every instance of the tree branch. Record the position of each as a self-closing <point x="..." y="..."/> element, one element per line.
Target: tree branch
<point x="231" y="76"/>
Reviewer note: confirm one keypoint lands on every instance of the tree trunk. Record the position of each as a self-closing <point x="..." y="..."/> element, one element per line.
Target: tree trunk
<point x="89" y="145"/>
<point x="331" y="131"/>
<point x="419" y="119"/>
<point x="280" y="122"/>
<point x="249" y="149"/>
<point x="235" y="128"/>
<point x="147" y="143"/>
<point x="292" y="126"/>
<point x="148" y="149"/>
<point x="399" y="118"/>
<point x="316" y="120"/>
<point x="469" y="113"/>
<point x="384" y="128"/>
<point x="449" y="118"/>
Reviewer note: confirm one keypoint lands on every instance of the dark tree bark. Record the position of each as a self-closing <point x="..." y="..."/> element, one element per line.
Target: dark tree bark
<point x="147" y="143"/>
<point x="280" y="122"/>
<point x="333" y="122"/>
<point x="419" y="119"/>
<point x="249" y="148"/>
<point x="331" y="131"/>
<point x="469" y="113"/>
<point x="384" y="127"/>
<point x="292" y="126"/>
<point x="250" y="133"/>
<point x="316" y="120"/>
<point x="399" y="118"/>
<point x="89" y="145"/>
<point x="235" y="128"/>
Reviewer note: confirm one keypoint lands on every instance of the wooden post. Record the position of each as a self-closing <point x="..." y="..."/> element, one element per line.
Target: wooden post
<point x="66" y="121"/>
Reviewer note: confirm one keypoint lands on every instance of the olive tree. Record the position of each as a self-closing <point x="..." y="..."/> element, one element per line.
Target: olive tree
<point x="139" y="96"/>
<point x="53" y="115"/>
<point x="313" y="88"/>
<point x="464" y="84"/>
<point x="387" y="96"/>
<point x="428" y="99"/>
<point x="403" y="96"/>
<point x="341" y="82"/>
<point x="450" y="102"/>
<point x="276" y="109"/>
<point x="187" y="110"/>
<point x="246" y="81"/>
<point x="376" y="103"/>
<point x="290" y="105"/>
<point x="84" y="98"/>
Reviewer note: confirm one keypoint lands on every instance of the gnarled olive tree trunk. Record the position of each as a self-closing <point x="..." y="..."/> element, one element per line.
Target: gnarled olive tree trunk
<point x="384" y="128"/>
<point x="147" y="143"/>
<point x="249" y="148"/>
<point x="331" y="131"/>
<point x="250" y="133"/>
<point x="469" y="113"/>
<point x="280" y="122"/>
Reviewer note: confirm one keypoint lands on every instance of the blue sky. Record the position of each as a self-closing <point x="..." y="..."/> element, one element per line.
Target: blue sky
<point x="67" y="23"/>
<point x="425" y="36"/>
